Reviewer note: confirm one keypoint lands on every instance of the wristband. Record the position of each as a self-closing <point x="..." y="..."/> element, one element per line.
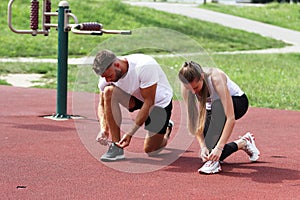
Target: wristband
<point x="133" y="130"/>
<point x="219" y="148"/>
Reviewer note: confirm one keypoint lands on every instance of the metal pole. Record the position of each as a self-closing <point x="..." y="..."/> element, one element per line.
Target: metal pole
<point x="62" y="65"/>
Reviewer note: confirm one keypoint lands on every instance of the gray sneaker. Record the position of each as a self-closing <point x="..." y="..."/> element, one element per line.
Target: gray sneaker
<point x="114" y="153"/>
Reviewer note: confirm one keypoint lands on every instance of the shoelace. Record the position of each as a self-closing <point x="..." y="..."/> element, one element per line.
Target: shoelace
<point x="108" y="142"/>
<point x="110" y="149"/>
<point x="209" y="163"/>
<point x="105" y="141"/>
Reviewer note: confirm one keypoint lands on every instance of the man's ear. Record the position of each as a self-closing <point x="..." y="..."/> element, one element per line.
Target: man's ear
<point x="117" y="64"/>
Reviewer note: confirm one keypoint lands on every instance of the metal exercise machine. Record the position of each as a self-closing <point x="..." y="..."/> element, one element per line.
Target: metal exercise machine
<point x="63" y="27"/>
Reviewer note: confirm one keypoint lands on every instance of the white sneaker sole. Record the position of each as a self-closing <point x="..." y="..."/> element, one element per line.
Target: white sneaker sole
<point x="209" y="172"/>
<point x="120" y="157"/>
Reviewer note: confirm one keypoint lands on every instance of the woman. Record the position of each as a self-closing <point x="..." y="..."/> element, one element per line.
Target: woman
<point x="221" y="102"/>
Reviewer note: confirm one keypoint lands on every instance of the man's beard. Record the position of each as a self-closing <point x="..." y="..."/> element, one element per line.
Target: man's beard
<point x="118" y="75"/>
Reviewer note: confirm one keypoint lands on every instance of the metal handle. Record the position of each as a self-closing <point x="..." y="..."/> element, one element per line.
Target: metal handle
<point x="94" y="28"/>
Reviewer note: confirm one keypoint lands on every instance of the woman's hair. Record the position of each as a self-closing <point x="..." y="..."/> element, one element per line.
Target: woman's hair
<point x="189" y="72"/>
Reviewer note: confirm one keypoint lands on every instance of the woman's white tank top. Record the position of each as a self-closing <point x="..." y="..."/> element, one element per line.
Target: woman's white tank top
<point x="233" y="88"/>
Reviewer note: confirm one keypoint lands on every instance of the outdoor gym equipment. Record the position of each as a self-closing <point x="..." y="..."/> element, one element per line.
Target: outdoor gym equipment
<point x="63" y="27"/>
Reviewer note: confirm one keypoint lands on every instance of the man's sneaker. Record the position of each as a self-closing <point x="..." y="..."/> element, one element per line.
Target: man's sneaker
<point x="250" y="147"/>
<point x="169" y="129"/>
<point x="210" y="167"/>
<point x="114" y="153"/>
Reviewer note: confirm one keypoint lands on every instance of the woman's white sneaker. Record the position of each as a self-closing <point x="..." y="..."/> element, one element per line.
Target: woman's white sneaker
<point x="250" y="147"/>
<point x="210" y="167"/>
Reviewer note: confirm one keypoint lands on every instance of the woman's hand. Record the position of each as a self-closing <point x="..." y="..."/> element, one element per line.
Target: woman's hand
<point x="204" y="154"/>
<point x="215" y="154"/>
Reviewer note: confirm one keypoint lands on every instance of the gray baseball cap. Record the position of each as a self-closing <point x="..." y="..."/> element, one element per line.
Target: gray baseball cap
<point x="103" y="60"/>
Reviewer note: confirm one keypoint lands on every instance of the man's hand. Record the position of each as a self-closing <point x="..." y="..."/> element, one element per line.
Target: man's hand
<point x="125" y="141"/>
<point x="102" y="137"/>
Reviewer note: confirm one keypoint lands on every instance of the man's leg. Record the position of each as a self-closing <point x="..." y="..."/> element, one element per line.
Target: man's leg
<point x="154" y="142"/>
<point x="158" y="129"/>
<point x="113" y="97"/>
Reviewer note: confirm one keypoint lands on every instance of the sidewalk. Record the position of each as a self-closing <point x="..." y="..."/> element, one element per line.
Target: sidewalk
<point x="190" y="10"/>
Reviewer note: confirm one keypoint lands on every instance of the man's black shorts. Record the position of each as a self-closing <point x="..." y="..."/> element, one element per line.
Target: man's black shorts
<point x="159" y="117"/>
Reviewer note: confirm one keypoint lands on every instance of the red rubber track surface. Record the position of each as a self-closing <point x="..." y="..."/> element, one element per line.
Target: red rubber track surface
<point x="48" y="159"/>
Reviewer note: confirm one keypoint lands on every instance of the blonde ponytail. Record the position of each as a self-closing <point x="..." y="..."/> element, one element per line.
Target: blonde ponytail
<point x="193" y="113"/>
<point x="188" y="73"/>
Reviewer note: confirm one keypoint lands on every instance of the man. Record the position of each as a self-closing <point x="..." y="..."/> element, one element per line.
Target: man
<point x="137" y="82"/>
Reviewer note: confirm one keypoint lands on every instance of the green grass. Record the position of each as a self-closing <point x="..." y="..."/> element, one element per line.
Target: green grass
<point x="280" y="14"/>
<point x="270" y="80"/>
<point x="116" y="15"/>
<point x="3" y="82"/>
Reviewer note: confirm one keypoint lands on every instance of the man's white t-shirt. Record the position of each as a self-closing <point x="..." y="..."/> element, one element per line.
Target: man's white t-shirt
<point x="143" y="72"/>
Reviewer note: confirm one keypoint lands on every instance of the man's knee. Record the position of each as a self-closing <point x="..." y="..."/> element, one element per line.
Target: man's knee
<point x="149" y="149"/>
<point x="153" y="151"/>
<point x="150" y="146"/>
<point x="154" y="142"/>
<point x="108" y="92"/>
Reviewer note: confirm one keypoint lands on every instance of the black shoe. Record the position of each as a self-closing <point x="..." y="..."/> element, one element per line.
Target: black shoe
<point x="169" y="128"/>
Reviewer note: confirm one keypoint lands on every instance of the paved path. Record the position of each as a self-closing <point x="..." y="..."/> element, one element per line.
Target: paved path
<point x="190" y="10"/>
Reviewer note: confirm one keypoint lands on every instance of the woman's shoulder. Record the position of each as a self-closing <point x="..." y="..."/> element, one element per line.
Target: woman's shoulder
<point x="217" y="74"/>
<point x="213" y="71"/>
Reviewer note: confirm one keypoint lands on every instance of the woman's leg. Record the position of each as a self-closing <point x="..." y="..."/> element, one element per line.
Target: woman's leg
<point x="240" y="105"/>
<point x="215" y="123"/>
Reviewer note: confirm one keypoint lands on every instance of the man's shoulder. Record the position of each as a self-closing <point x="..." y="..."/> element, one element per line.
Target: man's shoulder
<point x="139" y="58"/>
